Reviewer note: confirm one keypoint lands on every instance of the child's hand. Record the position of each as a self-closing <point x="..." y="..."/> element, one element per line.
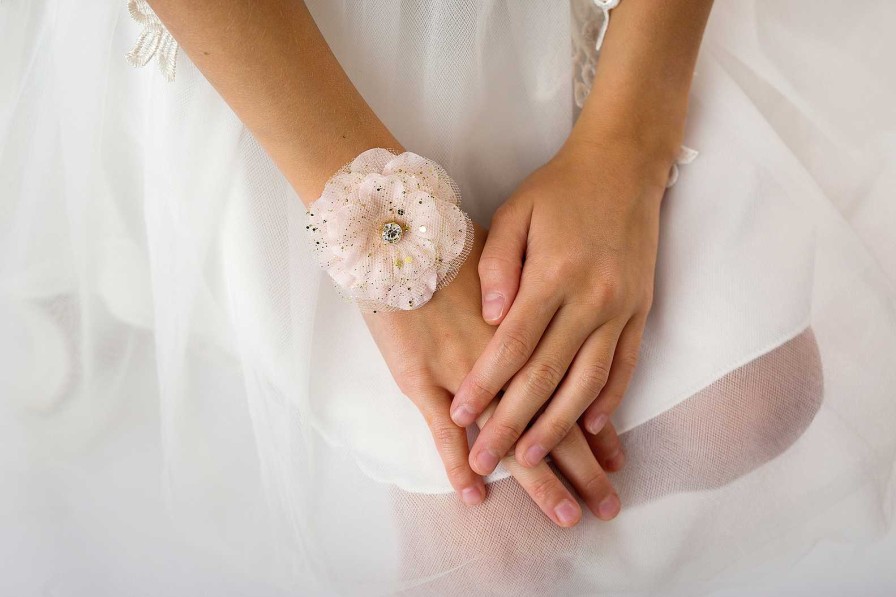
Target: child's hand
<point x="568" y="273"/>
<point x="429" y="351"/>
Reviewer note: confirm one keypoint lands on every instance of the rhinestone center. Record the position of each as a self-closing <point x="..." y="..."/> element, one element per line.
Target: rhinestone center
<point x="392" y="232"/>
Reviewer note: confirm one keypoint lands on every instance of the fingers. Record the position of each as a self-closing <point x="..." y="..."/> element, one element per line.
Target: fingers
<point x="575" y="460"/>
<point x="451" y="442"/>
<point x="583" y="383"/>
<point x="542" y="485"/>
<point x="607" y="448"/>
<point x="505" y="354"/>
<point x="529" y="390"/>
<point x="624" y="361"/>
<point x="501" y="262"/>
<point x="547" y="491"/>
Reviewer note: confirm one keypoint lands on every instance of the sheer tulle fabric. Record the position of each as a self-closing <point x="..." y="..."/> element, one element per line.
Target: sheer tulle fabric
<point x="161" y="311"/>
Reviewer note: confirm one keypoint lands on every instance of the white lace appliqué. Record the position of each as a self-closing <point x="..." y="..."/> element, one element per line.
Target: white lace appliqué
<point x="591" y="19"/>
<point x="154" y="40"/>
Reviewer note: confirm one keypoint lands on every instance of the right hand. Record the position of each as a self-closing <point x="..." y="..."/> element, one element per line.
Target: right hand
<point x="429" y="352"/>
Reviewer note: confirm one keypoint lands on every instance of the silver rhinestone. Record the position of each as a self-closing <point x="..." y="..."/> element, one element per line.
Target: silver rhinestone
<point x="392" y="232"/>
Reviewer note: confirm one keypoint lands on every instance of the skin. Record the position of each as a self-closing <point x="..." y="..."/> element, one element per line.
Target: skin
<point x="571" y="297"/>
<point x="290" y="91"/>
<point x="448" y="334"/>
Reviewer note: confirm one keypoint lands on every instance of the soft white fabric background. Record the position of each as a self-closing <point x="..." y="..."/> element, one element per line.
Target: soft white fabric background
<point x="167" y="430"/>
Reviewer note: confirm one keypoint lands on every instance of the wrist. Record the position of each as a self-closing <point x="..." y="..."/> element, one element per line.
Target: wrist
<point x="309" y="161"/>
<point x="647" y="128"/>
<point x="621" y="152"/>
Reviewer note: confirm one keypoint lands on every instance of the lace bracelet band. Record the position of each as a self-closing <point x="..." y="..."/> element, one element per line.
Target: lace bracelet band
<point x="389" y="230"/>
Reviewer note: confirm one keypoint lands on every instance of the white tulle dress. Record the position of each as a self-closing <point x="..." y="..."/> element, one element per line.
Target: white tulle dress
<point x="187" y="406"/>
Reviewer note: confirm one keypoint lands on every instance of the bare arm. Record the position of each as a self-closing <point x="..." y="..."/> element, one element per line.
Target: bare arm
<point x="270" y="63"/>
<point x="643" y="78"/>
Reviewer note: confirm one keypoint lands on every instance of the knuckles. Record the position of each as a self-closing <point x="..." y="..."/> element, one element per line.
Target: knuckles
<point x="480" y="391"/>
<point x="494" y="266"/>
<point x="557" y="273"/>
<point x="413" y="379"/>
<point x="593" y="378"/>
<point x="503" y="433"/>
<point x="543" y="377"/>
<point x="594" y="486"/>
<point x="506" y="213"/>
<point x="604" y="290"/>
<point x="606" y="294"/>
<point x="456" y="471"/>
<point x="628" y="359"/>
<point x="513" y="348"/>
<point x="541" y="488"/>
<point x="443" y="435"/>
<point x="558" y="428"/>
<point x="605" y="282"/>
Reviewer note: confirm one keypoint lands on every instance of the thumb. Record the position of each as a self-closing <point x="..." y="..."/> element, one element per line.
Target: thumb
<point x="501" y="262"/>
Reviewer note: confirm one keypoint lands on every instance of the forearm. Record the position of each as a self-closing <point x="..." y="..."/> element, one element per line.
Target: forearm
<point x="640" y="93"/>
<point x="270" y="63"/>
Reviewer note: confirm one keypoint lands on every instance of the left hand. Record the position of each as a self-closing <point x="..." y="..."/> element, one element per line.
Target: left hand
<point x="567" y="272"/>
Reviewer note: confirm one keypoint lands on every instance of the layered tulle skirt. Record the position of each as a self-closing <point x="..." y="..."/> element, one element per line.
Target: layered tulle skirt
<point x="187" y="404"/>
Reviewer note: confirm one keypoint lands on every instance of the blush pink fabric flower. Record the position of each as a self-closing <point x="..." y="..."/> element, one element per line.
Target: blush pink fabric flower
<point x="389" y="229"/>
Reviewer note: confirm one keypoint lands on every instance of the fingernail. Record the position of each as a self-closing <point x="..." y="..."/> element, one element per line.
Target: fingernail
<point x="535" y="454"/>
<point x="471" y="496"/>
<point x="463" y="416"/>
<point x="597" y="423"/>
<point x="608" y="508"/>
<point x="566" y="513"/>
<point x="486" y="461"/>
<point x="492" y="306"/>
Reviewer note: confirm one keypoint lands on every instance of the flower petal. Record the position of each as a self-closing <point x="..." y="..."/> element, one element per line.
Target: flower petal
<point x="371" y="161"/>
<point x="428" y="175"/>
<point x="413" y="293"/>
<point x="373" y="191"/>
<point x="342" y="188"/>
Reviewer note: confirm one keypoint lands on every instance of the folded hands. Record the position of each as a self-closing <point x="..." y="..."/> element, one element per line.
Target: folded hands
<point x="537" y="338"/>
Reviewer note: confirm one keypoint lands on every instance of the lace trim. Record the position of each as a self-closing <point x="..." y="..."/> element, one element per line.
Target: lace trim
<point x="154" y="41"/>
<point x="591" y="19"/>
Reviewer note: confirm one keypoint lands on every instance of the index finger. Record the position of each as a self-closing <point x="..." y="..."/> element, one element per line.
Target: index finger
<point x="505" y="354"/>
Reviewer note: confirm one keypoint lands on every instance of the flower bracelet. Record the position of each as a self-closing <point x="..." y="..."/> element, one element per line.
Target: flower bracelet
<point x="389" y="230"/>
